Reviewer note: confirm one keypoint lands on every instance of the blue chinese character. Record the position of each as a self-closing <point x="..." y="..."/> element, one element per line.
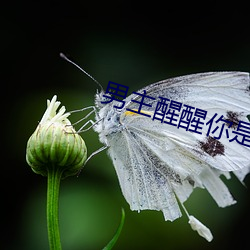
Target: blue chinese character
<point x="186" y="116"/>
<point x="141" y="103"/>
<point x="116" y="92"/>
<point x="210" y="122"/>
<point x="201" y="114"/>
<point x="161" y="109"/>
<point x="243" y="129"/>
<point x="173" y="106"/>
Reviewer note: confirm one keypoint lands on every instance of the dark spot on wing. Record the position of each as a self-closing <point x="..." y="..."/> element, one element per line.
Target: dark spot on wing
<point x="212" y="146"/>
<point x="248" y="88"/>
<point x="191" y="181"/>
<point x="233" y="117"/>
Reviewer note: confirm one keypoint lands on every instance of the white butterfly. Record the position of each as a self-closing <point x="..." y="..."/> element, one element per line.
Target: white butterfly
<point x="159" y="165"/>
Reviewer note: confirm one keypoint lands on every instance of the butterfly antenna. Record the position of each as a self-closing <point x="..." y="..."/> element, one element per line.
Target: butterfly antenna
<point x="68" y="60"/>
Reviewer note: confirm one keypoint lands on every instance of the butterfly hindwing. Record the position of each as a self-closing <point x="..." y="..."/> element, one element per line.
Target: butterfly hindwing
<point x="142" y="183"/>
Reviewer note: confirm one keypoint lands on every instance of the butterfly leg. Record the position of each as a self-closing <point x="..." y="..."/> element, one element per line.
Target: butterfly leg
<point x="81" y="129"/>
<point x="91" y="155"/>
<point x="86" y="116"/>
<point x="96" y="152"/>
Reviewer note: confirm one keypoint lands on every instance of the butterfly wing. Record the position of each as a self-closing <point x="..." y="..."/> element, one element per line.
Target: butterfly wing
<point x="222" y="93"/>
<point x="207" y="90"/>
<point x="155" y="162"/>
<point x="141" y="182"/>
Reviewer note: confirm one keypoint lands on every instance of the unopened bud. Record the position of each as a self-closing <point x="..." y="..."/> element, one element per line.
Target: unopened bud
<point x="55" y="143"/>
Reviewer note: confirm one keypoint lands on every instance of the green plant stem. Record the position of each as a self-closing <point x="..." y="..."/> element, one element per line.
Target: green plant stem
<point x="54" y="178"/>
<point x="117" y="234"/>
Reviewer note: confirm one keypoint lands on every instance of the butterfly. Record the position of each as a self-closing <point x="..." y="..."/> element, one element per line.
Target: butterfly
<point x="159" y="162"/>
<point x="159" y="165"/>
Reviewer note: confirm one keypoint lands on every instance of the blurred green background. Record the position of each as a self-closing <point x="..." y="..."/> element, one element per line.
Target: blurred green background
<point x="130" y="43"/>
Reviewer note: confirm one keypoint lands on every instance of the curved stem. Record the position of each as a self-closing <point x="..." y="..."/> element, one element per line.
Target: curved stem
<point x="54" y="177"/>
<point x="117" y="234"/>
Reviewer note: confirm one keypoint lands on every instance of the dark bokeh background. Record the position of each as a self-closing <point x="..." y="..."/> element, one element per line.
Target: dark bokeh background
<point x="132" y="43"/>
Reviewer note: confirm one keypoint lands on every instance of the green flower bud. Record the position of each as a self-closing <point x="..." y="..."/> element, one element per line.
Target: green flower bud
<point x="55" y="144"/>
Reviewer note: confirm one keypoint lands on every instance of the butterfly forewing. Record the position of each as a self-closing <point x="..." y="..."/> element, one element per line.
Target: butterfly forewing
<point x="224" y="93"/>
